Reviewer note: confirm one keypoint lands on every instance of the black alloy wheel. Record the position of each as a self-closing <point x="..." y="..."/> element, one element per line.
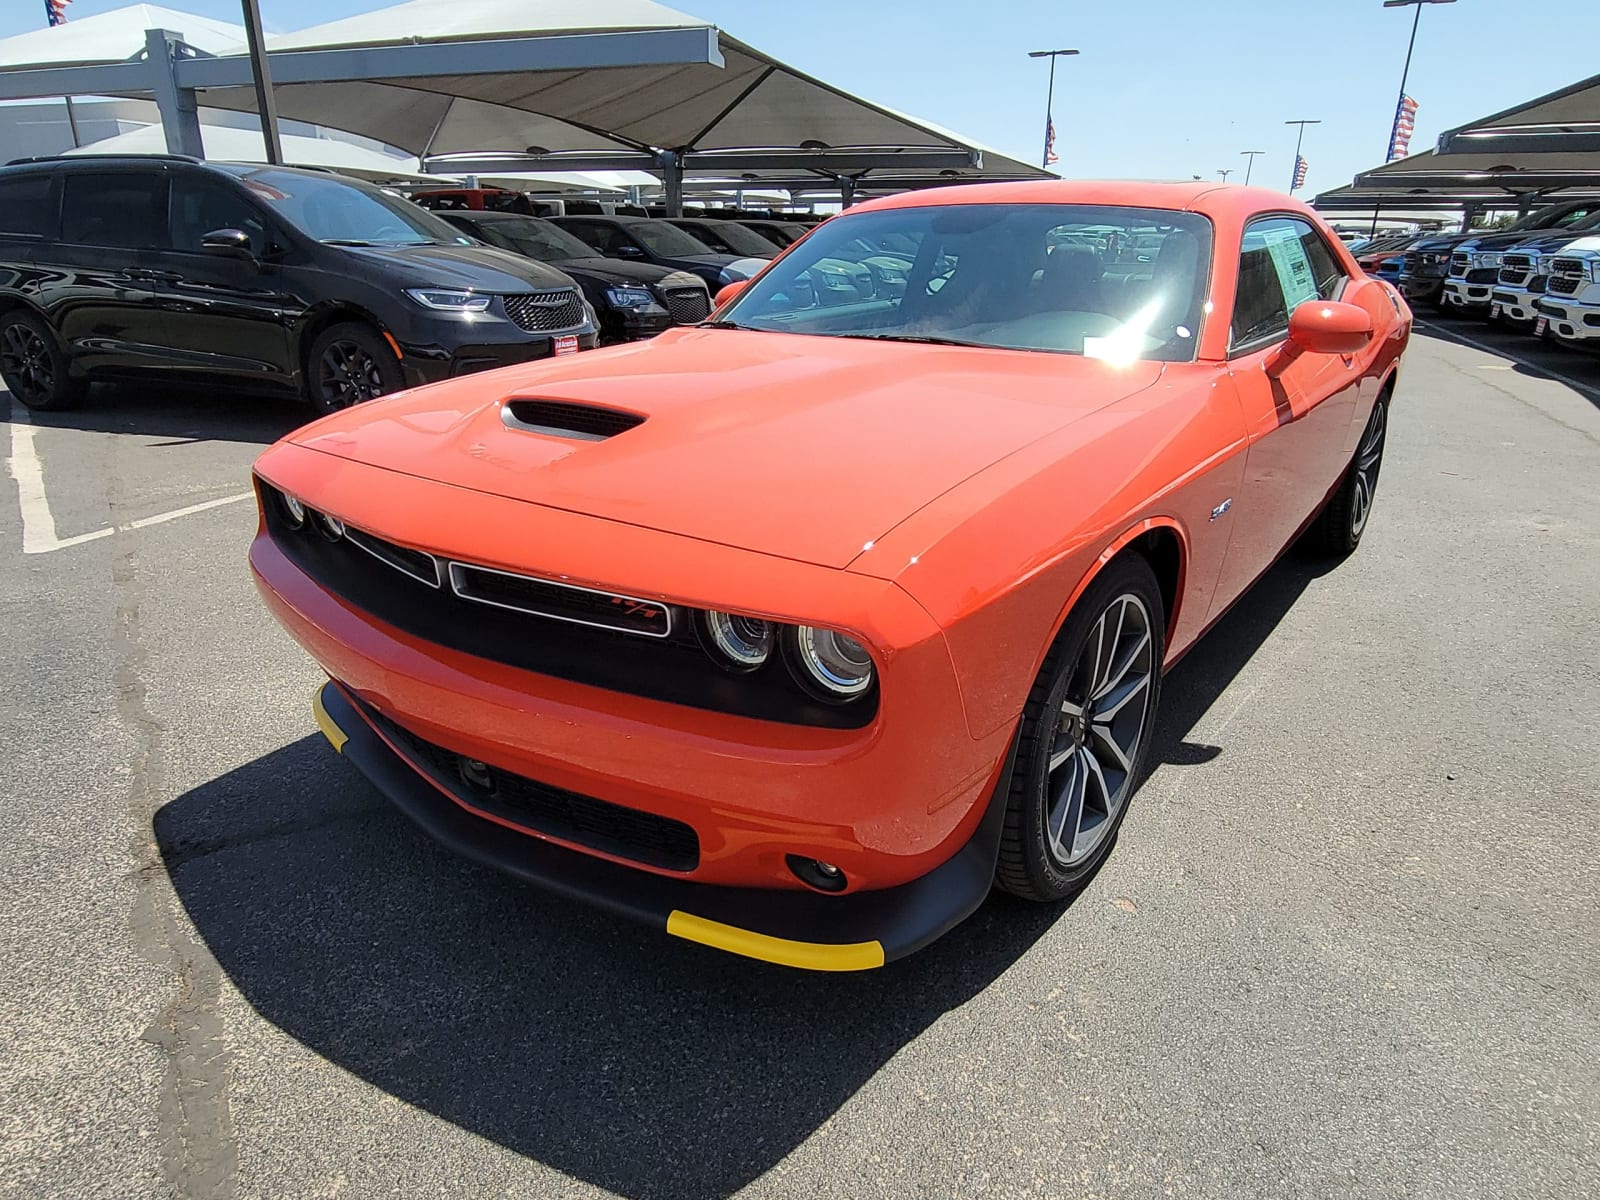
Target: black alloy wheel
<point x="32" y="365"/>
<point x="350" y="364"/>
<point x="1085" y="735"/>
<point x="1338" y="530"/>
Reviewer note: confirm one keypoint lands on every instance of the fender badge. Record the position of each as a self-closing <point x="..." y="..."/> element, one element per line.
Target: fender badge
<point x="1222" y="508"/>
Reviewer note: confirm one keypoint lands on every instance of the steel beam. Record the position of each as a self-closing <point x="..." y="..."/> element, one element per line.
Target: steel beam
<point x="563" y="52"/>
<point x="827" y="163"/>
<point x="180" y="113"/>
<point x="1522" y="141"/>
<point x="103" y="79"/>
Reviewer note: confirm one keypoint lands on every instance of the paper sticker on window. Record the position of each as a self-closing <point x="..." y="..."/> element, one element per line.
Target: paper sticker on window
<point x="1293" y="267"/>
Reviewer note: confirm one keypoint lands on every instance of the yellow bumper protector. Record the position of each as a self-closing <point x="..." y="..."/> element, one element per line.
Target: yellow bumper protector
<point x="811" y="956"/>
<point x="336" y="736"/>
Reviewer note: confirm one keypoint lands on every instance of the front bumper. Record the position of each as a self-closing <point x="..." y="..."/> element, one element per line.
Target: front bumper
<point x="1426" y="285"/>
<point x="1568" y="320"/>
<point x="1460" y="295"/>
<point x="811" y="930"/>
<point x="1518" y="304"/>
<point x="633" y="324"/>
<point x="444" y="357"/>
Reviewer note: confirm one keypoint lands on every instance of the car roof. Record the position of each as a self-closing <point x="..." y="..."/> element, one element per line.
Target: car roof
<point x="1206" y="198"/>
<point x="489" y="214"/>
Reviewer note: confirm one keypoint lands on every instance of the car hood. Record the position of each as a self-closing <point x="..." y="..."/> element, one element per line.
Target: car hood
<point x="616" y="270"/>
<point x="1550" y="243"/>
<point x="804" y="447"/>
<point x="480" y="268"/>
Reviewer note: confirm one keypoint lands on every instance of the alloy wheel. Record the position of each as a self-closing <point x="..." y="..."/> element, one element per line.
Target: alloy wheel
<point x="1096" y="742"/>
<point x="1369" y="459"/>
<point x="348" y="376"/>
<point x="26" y="363"/>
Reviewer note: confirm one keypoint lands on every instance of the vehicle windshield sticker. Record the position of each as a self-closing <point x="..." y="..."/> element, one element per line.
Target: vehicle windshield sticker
<point x="1294" y="269"/>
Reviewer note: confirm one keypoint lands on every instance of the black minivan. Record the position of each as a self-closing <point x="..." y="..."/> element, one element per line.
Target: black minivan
<point x="254" y="278"/>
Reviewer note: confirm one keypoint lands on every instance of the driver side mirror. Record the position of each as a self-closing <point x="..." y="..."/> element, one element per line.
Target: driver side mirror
<point x="1324" y="327"/>
<point x="629" y="252"/>
<point x="729" y="291"/>
<point x="227" y="243"/>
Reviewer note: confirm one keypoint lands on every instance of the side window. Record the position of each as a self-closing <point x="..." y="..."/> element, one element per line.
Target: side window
<point x="201" y="206"/>
<point x="592" y="235"/>
<point x="26" y="209"/>
<point x="1283" y="263"/>
<point x="123" y="208"/>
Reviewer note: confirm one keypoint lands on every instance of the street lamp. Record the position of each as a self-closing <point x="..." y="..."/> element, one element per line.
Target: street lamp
<point x="1049" y="99"/>
<point x="1223" y="174"/>
<point x="1294" y="176"/>
<point x="1406" y="70"/>
<point x="1249" y="163"/>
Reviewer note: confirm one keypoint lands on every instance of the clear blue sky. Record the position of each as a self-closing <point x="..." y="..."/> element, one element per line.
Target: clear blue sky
<point x="1162" y="89"/>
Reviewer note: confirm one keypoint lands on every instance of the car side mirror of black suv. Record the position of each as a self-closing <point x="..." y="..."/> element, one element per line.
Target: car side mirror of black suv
<point x="227" y="243"/>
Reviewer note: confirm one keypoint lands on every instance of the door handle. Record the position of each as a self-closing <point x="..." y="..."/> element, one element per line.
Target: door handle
<point x="154" y="276"/>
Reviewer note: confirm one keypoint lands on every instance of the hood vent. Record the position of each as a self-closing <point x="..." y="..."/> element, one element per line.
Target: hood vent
<point x="557" y="418"/>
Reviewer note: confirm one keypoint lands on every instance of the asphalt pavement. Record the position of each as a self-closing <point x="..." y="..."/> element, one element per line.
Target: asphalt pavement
<point x="1348" y="945"/>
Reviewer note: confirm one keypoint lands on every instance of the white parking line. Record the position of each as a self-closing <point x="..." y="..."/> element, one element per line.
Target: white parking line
<point x="39" y="523"/>
<point x="1587" y="389"/>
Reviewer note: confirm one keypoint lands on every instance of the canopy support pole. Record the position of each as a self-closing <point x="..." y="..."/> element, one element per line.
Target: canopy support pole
<point x="261" y="74"/>
<point x="180" y="111"/>
<point x="847" y="188"/>
<point x="670" y="164"/>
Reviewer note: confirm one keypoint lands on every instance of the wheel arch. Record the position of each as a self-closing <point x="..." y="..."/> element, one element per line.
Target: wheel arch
<point x="1163" y="544"/>
<point x="324" y="317"/>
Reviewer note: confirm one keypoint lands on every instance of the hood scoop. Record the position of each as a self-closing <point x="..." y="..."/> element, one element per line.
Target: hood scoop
<point x="560" y="418"/>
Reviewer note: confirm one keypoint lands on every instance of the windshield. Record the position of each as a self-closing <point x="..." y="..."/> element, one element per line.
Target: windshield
<point x="741" y="240"/>
<point x="660" y="238"/>
<point x="535" y="238"/>
<point x="343" y="213"/>
<point x="1114" y="283"/>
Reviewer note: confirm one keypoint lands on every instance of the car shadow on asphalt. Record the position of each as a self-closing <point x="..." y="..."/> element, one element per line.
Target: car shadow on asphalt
<point x="649" y="1066"/>
<point x="178" y="415"/>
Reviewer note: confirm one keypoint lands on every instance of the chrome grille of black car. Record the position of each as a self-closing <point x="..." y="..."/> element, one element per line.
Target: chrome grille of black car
<point x="1566" y="285"/>
<point x="582" y="820"/>
<point x="542" y="312"/>
<point x="688" y="305"/>
<point x="1459" y="263"/>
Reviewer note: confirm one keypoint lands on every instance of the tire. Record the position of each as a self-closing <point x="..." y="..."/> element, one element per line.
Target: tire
<point x="1337" y="531"/>
<point x="1090" y="787"/>
<point x="350" y="363"/>
<point x="33" y="364"/>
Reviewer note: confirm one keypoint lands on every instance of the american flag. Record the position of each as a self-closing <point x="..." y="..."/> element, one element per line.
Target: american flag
<point x="1049" y="141"/>
<point x="1301" y="166"/>
<point x="55" y="11"/>
<point x="1405" y="122"/>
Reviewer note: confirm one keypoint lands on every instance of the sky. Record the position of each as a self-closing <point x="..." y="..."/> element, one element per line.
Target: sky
<point x="1162" y="89"/>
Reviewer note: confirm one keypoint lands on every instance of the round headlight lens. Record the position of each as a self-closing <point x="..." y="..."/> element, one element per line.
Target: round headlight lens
<point x="292" y="507"/>
<point x="743" y="643"/>
<point x="330" y="527"/>
<point x="837" y="664"/>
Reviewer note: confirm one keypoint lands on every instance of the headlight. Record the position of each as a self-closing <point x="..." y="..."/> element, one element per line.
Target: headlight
<point x="1486" y="260"/>
<point x="1594" y="271"/>
<point x="740" y="643"/>
<point x="293" y="509"/>
<point x="832" y="665"/>
<point x="449" y="300"/>
<point x="629" y="297"/>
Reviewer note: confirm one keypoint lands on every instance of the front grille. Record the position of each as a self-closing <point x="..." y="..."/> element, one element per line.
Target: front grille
<point x="1566" y="285"/>
<point x="541" y="312"/>
<point x="614" y="829"/>
<point x="1512" y="278"/>
<point x="585" y="422"/>
<point x="1459" y="264"/>
<point x="559" y="602"/>
<point x="688" y="305"/>
<point x="1518" y="262"/>
<point x="1569" y="266"/>
<point x="1483" y="274"/>
<point x="415" y="563"/>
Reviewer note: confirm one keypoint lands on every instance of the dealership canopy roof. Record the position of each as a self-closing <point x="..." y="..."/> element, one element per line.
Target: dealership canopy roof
<point x="1503" y="173"/>
<point x="230" y="144"/>
<point x="116" y="36"/>
<point x="1563" y="121"/>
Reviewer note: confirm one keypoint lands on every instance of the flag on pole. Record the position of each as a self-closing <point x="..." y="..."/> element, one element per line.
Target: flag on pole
<point x="1405" y="122"/>
<point x="55" y="11"/>
<point x="1300" y="168"/>
<point x="1049" y="141"/>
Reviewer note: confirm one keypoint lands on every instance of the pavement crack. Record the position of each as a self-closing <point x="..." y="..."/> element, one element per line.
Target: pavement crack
<point x="198" y="1154"/>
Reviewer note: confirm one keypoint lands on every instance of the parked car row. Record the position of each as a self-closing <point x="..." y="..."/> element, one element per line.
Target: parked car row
<point x="1541" y="273"/>
<point x="301" y="282"/>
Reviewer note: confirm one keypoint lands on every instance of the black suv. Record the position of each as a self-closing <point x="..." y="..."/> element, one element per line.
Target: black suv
<point x="255" y="278"/>
<point x="634" y="299"/>
<point x="644" y="239"/>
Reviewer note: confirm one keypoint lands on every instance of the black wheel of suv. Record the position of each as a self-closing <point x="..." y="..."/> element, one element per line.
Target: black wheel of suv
<point x="1337" y="532"/>
<point x="32" y="364"/>
<point x="350" y="363"/>
<point x="1085" y="735"/>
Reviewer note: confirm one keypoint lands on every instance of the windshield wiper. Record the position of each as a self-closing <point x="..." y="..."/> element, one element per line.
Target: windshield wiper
<point x="919" y="338"/>
<point x="722" y="325"/>
<point x="346" y="242"/>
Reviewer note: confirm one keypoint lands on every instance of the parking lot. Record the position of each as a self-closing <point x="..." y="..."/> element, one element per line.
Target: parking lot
<point x="1347" y="947"/>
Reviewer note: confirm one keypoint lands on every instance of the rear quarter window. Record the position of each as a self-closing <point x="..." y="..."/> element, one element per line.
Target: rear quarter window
<point x="27" y="207"/>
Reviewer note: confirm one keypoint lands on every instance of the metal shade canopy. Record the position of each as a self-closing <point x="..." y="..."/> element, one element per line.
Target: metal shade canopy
<point x="1563" y="121"/>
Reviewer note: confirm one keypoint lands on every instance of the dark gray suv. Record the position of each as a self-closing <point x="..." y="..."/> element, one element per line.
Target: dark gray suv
<point x="254" y="278"/>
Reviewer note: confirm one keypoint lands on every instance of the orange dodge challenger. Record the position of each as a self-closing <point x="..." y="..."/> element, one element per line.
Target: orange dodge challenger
<point x="796" y="631"/>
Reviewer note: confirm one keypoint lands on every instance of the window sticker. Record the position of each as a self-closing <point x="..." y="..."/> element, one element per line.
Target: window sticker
<point x="1294" y="268"/>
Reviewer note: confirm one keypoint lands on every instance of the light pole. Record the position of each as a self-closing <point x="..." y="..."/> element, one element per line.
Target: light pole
<point x="1049" y="99"/>
<point x="1294" y="175"/>
<point x="1406" y="70"/>
<point x="1249" y="163"/>
<point x="1223" y="175"/>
